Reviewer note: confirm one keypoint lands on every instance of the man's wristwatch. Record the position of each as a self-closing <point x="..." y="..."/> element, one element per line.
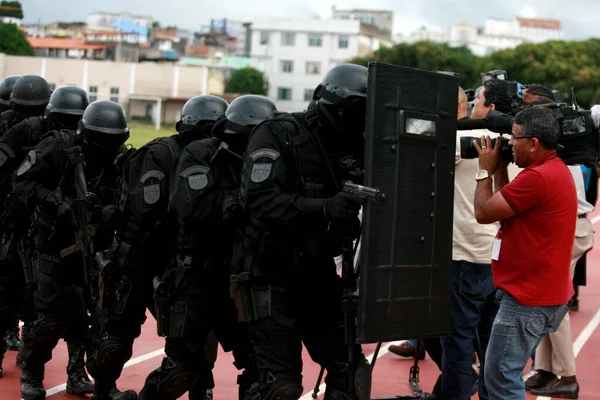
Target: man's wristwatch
<point x="481" y="175"/>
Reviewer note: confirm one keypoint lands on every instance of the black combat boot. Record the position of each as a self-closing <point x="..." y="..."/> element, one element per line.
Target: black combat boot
<point x="13" y="342"/>
<point x="110" y="392"/>
<point x="32" y="387"/>
<point x="78" y="382"/>
<point x="27" y="337"/>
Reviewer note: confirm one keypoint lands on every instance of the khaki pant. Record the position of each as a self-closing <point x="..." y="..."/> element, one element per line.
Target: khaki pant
<point x="555" y="352"/>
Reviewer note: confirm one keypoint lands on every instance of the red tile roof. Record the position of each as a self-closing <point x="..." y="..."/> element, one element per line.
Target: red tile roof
<point x="539" y="23"/>
<point x="65" y="44"/>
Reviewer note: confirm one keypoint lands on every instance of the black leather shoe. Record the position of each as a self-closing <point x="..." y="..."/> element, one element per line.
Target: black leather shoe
<point x="540" y="379"/>
<point x="558" y="389"/>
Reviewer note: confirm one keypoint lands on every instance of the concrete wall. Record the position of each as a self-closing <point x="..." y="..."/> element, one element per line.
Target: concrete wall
<point x="167" y="80"/>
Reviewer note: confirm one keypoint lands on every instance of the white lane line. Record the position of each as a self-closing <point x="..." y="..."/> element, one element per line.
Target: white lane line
<point x="134" y="361"/>
<point x="382" y="352"/>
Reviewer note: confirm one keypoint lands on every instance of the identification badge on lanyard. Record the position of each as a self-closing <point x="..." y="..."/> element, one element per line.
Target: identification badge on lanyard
<point x="496" y="249"/>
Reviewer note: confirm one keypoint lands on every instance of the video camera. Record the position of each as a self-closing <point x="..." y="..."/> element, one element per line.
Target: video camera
<point x="514" y="90"/>
<point x="468" y="150"/>
<point x="578" y="140"/>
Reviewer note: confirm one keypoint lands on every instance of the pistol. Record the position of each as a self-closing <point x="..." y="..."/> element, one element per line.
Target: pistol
<point x="364" y="192"/>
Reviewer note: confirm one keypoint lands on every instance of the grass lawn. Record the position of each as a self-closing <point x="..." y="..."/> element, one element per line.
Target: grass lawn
<point x="143" y="133"/>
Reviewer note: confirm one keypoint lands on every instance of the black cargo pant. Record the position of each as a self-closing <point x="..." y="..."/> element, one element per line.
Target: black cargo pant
<point x="200" y="304"/>
<point x="128" y="297"/>
<point x="60" y="306"/>
<point x="305" y="309"/>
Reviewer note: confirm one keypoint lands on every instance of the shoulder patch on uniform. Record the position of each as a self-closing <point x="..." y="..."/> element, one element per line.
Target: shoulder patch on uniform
<point x="194" y="169"/>
<point x="151" y="193"/>
<point x="197" y="181"/>
<point x="262" y="153"/>
<point x="260" y="172"/>
<point x="28" y="163"/>
<point x="152" y="174"/>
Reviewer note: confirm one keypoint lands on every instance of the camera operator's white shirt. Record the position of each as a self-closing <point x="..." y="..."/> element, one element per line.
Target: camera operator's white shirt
<point x="471" y="241"/>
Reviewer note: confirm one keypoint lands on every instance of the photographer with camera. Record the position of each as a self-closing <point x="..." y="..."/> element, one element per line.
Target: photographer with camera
<point x="531" y="253"/>
<point x="473" y="302"/>
<point x="554" y="356"/>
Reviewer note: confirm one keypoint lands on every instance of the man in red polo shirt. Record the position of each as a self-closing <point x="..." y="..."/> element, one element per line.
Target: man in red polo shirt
<point x="531" y="254"/>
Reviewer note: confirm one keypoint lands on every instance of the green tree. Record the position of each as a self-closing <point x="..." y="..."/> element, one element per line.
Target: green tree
<point x="431" y="57"/>
<point x="13" y="41"/>
<point x="11" y="9"/>
<point x="559" y="65"/>
<point x="247" y="81"/>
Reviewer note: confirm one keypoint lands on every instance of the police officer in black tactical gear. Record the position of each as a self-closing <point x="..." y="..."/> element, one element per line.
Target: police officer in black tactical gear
<point x="28" y="98"/>
<point x="64" y="111"/>
<point x="6" y="119"/>
<point x="203" y="198"/>
<point x="285" y="283"/>
<point x="141" y="250"/>
<point x="6" y="87"/>
<point x="67" y="178"/>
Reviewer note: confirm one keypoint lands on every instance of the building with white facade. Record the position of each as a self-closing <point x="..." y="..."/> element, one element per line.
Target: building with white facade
<point x="294" y="54"/>
<point x="496" y="34"/>
<point x="138" y="26"/>
<point x="381" y="19"/>
<point x="11" y="20"/>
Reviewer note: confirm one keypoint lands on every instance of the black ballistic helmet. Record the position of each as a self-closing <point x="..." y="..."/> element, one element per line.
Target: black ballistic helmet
<point x="341" y="99"/>
<point x="6" y="88"/>
<point x="70" y="100"/>
<point x="342" y="84"/>
<point x="247" y="111"/>
<point x="30" y="90"/>
<point x="203" y="108"/>
<point x="104" y="124"/>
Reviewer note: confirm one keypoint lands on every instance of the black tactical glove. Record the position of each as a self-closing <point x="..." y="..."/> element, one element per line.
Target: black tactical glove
<point x="498" y="122"/>
<point x="231" y="210"/>
<point x="57" y="203"/>
<point x="343" y="206"/>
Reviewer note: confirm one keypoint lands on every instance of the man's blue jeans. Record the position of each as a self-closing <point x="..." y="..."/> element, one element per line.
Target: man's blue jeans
<point x="517" y="330"/>
<point x="473" y="308"/>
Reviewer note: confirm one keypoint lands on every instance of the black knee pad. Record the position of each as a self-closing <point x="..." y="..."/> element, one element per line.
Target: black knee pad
<point x="176" y="379"/>
<point x="48" y="331"/>
<point x="280" y="388"/>
<point x="349" y="382"/>
<point x="110" y="357"/>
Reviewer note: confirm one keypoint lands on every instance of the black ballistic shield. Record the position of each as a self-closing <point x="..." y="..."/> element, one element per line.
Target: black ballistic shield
<point x="405" y="261"/>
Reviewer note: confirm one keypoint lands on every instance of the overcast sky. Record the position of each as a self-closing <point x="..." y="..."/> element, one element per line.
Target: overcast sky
<point x="579" y="17"/>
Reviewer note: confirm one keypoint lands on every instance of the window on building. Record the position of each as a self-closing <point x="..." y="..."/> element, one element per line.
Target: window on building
<point x="93" y="93"/>
<point x="315" y="40"/>
<point x="52" y="86"/>
<point x="287" y="66"/>
<point x="114" y="94"/>
<point x="343" y="42"/>
<point x="288" y="39"/>
<point x="308" y="94"/>
<point x="284" y="93"/>
<point x="313" y="68"/>
<point x="264" y="37"/>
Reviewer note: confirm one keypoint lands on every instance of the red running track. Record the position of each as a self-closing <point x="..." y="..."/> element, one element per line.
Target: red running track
<point x="390" y="375"/>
